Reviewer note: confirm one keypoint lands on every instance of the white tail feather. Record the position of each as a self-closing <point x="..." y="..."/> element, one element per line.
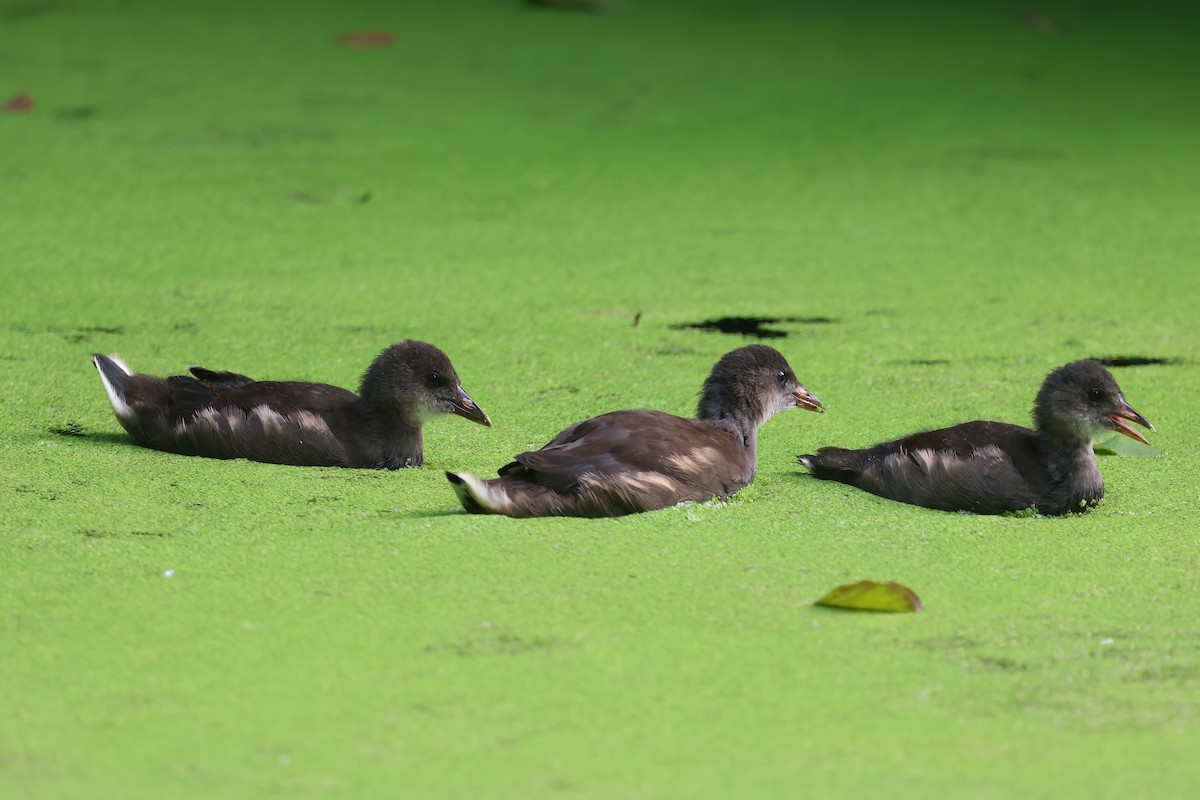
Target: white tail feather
<point x="122" y="409"/>
<point x="473" y="492"/>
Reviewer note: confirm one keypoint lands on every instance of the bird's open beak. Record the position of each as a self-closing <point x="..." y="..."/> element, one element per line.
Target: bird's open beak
<point x="464" y="406"/>
<point x="806" y="399"/>
<point x="1125" y="412"/>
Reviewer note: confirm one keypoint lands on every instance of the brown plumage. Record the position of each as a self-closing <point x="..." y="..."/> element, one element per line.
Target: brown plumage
<point x="994" y="467"/>
<point x="626" y="462"/>
<point x="227" y="415"/>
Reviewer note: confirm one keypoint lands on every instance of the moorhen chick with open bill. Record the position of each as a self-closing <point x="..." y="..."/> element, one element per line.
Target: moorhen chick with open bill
<point x="626" y="462"/>
<point x="226" y="415"/>
<point x="994" y="467"/>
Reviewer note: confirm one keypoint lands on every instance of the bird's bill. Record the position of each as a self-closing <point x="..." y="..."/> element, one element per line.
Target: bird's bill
<point x="464" y="406"/>
<point x="806" y="399"/>
<point x="1126" y="412"/>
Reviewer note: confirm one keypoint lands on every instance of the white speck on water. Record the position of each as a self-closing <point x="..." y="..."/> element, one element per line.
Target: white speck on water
<point x="168" y="573"/>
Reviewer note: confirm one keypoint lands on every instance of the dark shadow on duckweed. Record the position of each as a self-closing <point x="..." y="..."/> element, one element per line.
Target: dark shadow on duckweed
<point x="752" y="326"/>
<point x="76" y="113"/>
<point x="920" y="362"/>
<point x="32" y="10"/>
<point x="1136" y="361"/>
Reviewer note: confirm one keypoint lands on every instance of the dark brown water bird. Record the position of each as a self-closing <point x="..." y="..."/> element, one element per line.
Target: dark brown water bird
<point x="995" y="467"/>
<point x="625" y="462"/>
<point x="227" y="415"/>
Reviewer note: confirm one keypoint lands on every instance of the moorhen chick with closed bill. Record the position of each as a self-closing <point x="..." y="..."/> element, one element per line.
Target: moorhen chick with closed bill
<point x="995" y="467"/>
<point x="626" y="462"/>
<point x="227" y="415"/>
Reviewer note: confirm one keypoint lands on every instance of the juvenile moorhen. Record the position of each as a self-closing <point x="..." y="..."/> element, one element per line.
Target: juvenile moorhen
<point x="994" y="467"/>
<point x="226" y="415"/>
<point x="625" y="462"/>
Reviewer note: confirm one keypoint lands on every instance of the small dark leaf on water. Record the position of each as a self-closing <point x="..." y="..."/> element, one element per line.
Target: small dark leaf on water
<point x="873" y="596"/>
<point x="368" y="40"/>
<point x="20" y="103"/>
<point x="1118" y="445"/>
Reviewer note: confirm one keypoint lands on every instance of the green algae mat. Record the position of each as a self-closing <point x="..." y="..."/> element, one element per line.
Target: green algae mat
<point x="935" y="203"/>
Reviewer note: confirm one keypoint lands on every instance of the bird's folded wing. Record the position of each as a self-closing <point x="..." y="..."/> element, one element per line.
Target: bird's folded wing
<point x="627" y="445"/>
<point x="301" y="438"/>
<point x="985" y="482"/>
<point x="219" y="378"/>
<point x="189" y="395"/>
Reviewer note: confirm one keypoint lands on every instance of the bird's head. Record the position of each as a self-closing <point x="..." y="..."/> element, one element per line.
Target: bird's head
<point x="753" y="383"/>
<point x="417" y="379"/>
<point x="1081" y="399"/>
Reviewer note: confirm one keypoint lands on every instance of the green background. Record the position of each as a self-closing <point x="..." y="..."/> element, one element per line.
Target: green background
<point x="975" y="193"/>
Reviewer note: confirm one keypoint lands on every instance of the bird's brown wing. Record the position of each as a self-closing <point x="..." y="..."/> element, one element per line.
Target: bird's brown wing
<point x="223" y="391"/>
<point x="985" y="482"/>
<point x="300" y="438"/>
<point x="638" y="448"/>
<point x="219" y="378"/>
<point x="984" y="467"/>
<point x="273" y="421"/>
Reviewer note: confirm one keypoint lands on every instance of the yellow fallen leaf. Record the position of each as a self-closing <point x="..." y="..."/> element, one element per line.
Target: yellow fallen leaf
<point x="873" y="596"/>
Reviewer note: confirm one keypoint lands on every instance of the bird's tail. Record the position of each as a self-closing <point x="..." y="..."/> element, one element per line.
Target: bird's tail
<point x="113" y="374"/>
<point x="478" y="496"/>
<point x="830" y="463"/>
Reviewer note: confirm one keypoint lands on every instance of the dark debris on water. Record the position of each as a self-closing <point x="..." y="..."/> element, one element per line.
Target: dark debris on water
<point x="752" y="326"/>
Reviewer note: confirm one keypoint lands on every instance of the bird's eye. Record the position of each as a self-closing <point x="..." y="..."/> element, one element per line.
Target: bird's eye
<point x="781" y="377"/>
<point x="1095" y="394"/>
<point x="434" y="378"/>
